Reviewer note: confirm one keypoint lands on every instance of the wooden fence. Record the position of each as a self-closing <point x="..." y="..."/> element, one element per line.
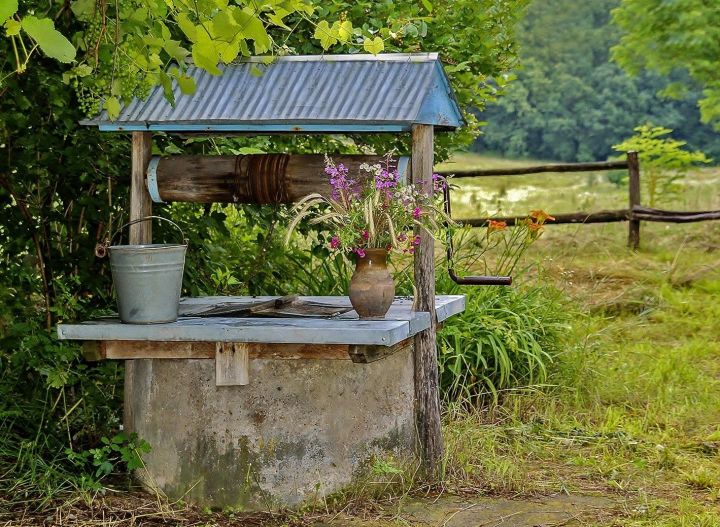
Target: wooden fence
<point x="634" y="214"/>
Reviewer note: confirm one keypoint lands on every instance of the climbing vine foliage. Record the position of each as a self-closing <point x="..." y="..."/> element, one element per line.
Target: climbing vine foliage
<point x="124" y="48"/>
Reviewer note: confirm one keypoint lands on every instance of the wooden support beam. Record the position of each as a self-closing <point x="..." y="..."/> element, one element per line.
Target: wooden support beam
<point x="140" y="201"/>
<point x="140" y="233"/>
<point x="634" y="199"/>
<point x="427" y="389"/>
<point x="232" y="364"/>
<point x="145" y="349"/>
<point x="255" y="178"/>
<point x="367" y="354"/>
<point x="94" y="350"/>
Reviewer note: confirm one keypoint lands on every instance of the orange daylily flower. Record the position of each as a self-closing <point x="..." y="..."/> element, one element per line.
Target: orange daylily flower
<point x="497" y="225"/>
<point x="540" y="216"/>
<point x="535" y="226"/>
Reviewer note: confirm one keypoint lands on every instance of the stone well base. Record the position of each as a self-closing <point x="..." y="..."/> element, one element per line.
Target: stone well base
<point x="300" y="430"/>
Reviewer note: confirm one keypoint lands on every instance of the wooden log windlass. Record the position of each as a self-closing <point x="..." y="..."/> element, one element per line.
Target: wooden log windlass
<point x="255" y="178"/>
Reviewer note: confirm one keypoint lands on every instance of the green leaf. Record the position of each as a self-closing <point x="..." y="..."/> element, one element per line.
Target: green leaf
<point x="427" y="5"/>
<point x="12" y="27"/>
<point x="224" y="25"/>
<point x="175" y="50"/>
<point x="344" y="30"/>
<point x="228" y="52"/>
<point x="166" y="83"/>
<point x="251" y="27"/>
<point x="205" y="54"/>
<point x="325" y="35"/>
<point x="83" y="9"/>
<point x="7" y="9"/>
<point x="187" y="84"/>
<point x="49" y="39"/>
<point x="374" y="46"/>
<point x="112" y="105"/>
<point x="187" y="27"/>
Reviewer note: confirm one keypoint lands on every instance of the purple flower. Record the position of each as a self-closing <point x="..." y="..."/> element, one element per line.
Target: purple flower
<point x="386" y="179"/>
<point x="416" y="213"/>
<point x="334" y="242"/>
<point x="416" y="241"/>
<point x="365" y="235"/>
<point x="340" y="182"/>
<point x="360" y="252"/>
<point x="439" y="182"/>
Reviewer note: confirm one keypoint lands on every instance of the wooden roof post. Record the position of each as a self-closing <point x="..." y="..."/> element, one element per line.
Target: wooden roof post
<point x="140" y="233"/>
<point x="140" y="200"/>
<point x="427" y="394"/>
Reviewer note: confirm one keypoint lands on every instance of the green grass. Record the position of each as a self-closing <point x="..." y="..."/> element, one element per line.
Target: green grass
<point x="634" y="407"/>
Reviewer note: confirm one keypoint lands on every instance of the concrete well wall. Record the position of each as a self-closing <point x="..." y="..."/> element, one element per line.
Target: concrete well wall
<point x="300" y="430"/>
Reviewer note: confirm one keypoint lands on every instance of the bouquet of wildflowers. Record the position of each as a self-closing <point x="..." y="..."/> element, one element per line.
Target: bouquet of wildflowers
<point x="372" y="210"/>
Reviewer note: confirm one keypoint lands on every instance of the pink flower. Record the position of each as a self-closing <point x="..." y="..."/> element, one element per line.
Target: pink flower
<point x="411" y="250"/>
<point x="334" y="242"/>
<point x="416" y="212"/>
<point x="365" y="235"/>
<point x="360" y="252"/>
<point x="416" y="241"/>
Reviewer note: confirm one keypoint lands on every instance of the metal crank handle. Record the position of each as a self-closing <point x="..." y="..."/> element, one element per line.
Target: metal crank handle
<point x="479" y="280"/>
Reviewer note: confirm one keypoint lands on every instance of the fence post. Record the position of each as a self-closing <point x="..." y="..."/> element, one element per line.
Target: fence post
<point x="634" y="199"/>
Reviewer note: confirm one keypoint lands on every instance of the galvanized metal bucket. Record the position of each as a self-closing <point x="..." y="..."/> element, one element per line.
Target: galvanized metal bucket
<point x="148" y="279"/>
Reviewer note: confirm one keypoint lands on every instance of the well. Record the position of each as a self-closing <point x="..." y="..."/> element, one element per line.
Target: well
<point x="300" y="430"/>
<point x="271" y="411"/>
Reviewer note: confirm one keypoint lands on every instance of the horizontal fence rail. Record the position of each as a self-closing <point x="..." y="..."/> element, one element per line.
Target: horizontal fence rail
<point x="634" y="214"/>
<point x="560" y="167"/>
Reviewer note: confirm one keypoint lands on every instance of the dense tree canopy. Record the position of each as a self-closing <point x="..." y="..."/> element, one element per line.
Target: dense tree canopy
<point x="571" y="103"/>
<point x="669" y="36"/>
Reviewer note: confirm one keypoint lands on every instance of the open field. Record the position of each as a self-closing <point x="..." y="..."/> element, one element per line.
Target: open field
<point x="634" y="410"/>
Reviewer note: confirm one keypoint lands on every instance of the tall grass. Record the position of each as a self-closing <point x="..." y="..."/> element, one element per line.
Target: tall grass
<point x="506" y="339"/>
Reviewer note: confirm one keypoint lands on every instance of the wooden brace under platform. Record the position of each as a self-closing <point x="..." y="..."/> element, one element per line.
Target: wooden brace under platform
<point x="232" y="359"/>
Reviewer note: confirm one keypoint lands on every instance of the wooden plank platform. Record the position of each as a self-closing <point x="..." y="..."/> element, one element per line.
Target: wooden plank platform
<point x="399" y="324"/>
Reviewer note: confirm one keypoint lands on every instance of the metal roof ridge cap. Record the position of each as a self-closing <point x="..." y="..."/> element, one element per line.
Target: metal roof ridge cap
<point x="382" y="57"/>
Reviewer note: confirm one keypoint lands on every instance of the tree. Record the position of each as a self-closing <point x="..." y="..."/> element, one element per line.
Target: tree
<point x="570" y="103"/>
<point x="668" y="36"/>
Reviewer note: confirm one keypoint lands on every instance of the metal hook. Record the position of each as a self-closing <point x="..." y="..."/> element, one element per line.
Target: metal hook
<point x="465" y="280"/>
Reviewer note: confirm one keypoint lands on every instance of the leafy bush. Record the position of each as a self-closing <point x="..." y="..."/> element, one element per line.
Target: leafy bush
<point x="507" y="338"/>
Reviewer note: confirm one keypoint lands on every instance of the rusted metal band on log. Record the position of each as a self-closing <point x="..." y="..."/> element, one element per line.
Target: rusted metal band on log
<point x="266" y="178"/>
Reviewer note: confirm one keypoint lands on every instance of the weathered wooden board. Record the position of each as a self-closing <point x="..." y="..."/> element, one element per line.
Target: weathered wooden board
<point x="134" y="349"/>
<point x="400" y="323"/>
<point x="232" y="364"/>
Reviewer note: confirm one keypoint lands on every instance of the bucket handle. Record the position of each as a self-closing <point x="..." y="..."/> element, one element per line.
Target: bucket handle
<point x="101" y="248"/>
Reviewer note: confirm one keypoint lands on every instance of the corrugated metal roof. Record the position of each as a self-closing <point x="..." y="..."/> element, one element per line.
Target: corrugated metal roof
<point x="328" y="93"/>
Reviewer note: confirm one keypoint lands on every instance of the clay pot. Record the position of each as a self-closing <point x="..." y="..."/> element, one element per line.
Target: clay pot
<point x="372" y="289"/>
